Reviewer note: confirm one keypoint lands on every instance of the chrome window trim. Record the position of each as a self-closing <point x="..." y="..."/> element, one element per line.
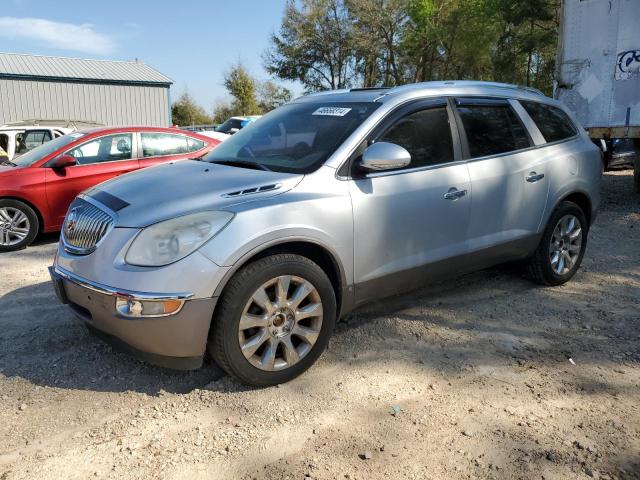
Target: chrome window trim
<point x="119" y="292"/>
<point x="410" y="170"/>
<point x="522" y="150"/>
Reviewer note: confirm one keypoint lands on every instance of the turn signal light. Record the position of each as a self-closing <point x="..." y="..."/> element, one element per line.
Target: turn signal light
<point x="137" y="308"/>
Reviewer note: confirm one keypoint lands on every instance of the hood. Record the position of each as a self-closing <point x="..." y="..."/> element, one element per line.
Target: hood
<point x="9" y="169"/>
<point x="166" y="191"/>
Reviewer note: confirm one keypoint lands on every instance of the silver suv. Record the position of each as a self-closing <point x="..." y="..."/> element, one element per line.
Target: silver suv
<point x="255" y="250"/>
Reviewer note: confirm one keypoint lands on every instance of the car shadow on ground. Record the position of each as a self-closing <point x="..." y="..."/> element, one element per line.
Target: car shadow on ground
<point x="49" y="346"/>
<point x="46" y="239"/>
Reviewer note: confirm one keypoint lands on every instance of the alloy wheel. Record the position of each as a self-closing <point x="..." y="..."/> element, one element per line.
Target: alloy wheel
<point x="566" y="244"/>
<point x="14" y="226"/>
<point x="280" y="323"/>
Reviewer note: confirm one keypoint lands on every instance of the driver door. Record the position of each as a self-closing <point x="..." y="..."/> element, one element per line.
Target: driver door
<point x="98" y="160"/>
<point x="410" y="224"/>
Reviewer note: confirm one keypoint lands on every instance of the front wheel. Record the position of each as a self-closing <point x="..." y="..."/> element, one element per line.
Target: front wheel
<point x="18" y="225"/>
<point x="562" y="246"/>
<point x="274" y="319"/>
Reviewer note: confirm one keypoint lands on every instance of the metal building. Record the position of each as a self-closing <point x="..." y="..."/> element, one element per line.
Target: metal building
<point x="106" y="92"/>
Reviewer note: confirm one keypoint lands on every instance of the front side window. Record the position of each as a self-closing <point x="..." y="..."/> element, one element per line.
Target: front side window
<point x="552" y="122"/>
<point x="104" y="149"/>
<point x="294" y="138"/>
<point x="425" y="134"/>
<point x="492" y="129"/>
<point x="161" y="144"/>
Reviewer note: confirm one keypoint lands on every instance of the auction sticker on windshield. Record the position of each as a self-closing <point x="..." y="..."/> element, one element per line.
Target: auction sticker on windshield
<point x="332" y="111"/>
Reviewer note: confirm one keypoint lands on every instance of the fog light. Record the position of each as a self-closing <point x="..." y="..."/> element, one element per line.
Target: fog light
<point x="136" y="308"/>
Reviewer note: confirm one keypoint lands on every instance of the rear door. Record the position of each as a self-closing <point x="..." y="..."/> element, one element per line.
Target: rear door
<point x="162" y="147"/>
<point x="508" y="176"/>
<point x="98" y="159"/>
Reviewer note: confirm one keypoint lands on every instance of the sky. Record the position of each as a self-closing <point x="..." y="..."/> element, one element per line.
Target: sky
<point x="192" y="42"/>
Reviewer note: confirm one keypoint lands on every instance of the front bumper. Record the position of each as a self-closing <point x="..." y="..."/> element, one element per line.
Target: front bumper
<point x="174" y="341"/>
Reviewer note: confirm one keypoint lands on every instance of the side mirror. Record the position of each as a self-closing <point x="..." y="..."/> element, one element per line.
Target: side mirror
<point x="63" y="161"/>
<point x="385" y="156"/>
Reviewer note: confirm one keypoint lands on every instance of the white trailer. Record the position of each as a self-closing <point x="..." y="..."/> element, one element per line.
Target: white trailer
<point x="598" y="68"/>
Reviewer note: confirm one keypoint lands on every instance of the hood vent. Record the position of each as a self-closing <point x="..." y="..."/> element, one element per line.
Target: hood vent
<point x="250" y="191"/>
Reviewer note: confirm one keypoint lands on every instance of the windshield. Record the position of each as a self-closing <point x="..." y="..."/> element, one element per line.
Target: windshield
<point x="295" y="138"/>
<point x="229" y="124"/>
<point x="38" y="153"/>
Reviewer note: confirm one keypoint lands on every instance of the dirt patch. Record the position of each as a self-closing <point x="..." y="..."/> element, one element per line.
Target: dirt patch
<point x="470" y="378"/>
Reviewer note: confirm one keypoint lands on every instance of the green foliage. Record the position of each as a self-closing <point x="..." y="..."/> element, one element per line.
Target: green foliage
<point x="341" y="43"/>
<point x="315" y="45"/>
<point x="271" y="95"/>
<point x="186" y="112"/>
<point x="242" y="88"/>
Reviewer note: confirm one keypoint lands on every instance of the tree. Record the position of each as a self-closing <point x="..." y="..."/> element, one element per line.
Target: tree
<point x="525" y="51"/>
<point x="249" y="97"/>
<point x="271" y="95"/>
<point x="185" y="112"/>
<point x="314" y="46"/>
<point x="328" y="44"/>
<point x="378" y="29"/>
<point x="242" y="87"/>
<point x="222" y="111"/>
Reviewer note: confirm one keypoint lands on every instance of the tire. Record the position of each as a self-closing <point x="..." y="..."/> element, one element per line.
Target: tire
<point x="541" y="268"/>
<point x="281" y="328"/>
<point x="24" y="218"/>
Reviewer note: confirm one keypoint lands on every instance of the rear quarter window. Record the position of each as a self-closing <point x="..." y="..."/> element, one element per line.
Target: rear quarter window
<point x="553" y="123"/>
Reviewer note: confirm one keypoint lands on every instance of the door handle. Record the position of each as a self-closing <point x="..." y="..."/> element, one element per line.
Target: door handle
<point x="534" y="177"/>
<point x="454" y="194"/>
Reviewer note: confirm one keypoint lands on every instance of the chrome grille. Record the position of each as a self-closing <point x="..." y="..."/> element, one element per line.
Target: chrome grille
<point x="84" y="226"/>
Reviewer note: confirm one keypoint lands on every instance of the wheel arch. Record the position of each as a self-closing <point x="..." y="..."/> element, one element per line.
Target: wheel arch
<point x="582" y="200"/>
<point x="326" y="259"/>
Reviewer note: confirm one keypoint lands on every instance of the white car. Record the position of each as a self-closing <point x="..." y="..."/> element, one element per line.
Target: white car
<point x="18" y="140"/>
<point x="231" y="126"/>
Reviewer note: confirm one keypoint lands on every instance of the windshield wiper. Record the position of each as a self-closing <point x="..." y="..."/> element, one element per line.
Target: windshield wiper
<point x="243" y="164"/>
<point x="8" y="162"/>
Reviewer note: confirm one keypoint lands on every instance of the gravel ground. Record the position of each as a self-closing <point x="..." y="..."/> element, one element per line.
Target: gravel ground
<point x="470" y="378"/>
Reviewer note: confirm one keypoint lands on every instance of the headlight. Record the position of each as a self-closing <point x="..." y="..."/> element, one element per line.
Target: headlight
<point x="169" y="241"/>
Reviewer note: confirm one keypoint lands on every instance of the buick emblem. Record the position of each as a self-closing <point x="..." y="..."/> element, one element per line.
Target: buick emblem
<point x="72" y="220"/>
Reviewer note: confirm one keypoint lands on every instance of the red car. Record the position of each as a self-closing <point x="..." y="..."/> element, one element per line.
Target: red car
<point x="37" y="187"/>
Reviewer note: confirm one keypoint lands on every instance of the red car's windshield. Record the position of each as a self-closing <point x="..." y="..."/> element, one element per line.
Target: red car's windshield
<point x="38" y="153"/>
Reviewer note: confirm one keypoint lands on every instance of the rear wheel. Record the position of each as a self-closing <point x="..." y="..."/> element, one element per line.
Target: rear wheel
<point x="274" y="320"/>
<point x="18" y="225"/>
<point x="562" y="246"/>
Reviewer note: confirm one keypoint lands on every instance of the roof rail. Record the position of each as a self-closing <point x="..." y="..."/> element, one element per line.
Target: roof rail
<point x="54" y="123"/>
<point x="368" y="89"/>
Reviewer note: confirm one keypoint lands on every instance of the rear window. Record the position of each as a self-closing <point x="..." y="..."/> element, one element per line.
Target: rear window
<point x="492" y="129"/>
<point x="552" y="122"/>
